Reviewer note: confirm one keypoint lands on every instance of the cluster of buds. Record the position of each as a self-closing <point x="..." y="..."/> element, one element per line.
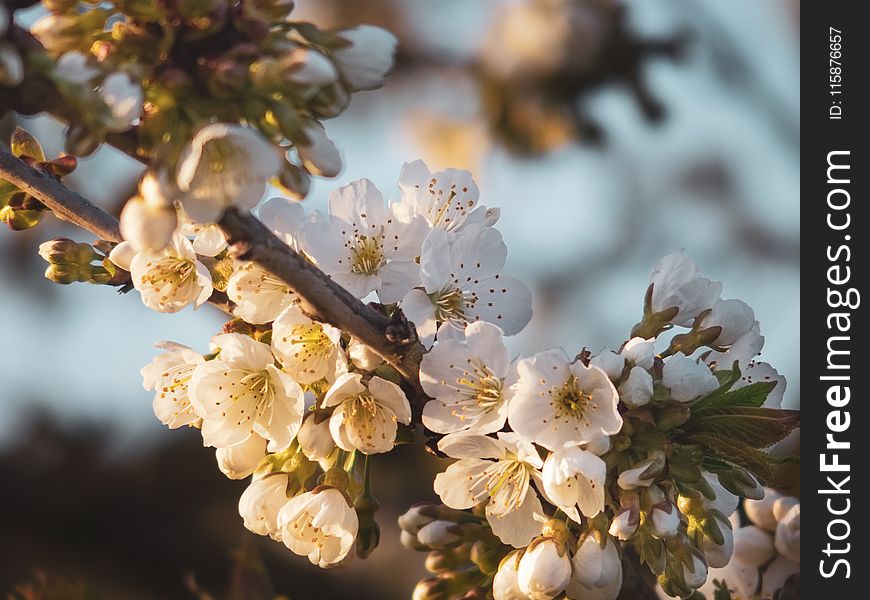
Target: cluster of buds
<point x="463" y="554"/>
<point x="158" y="72"/>
<point x="18" y="209"/>
<point x="11" y="65"/>
<point x="70" y="261"/>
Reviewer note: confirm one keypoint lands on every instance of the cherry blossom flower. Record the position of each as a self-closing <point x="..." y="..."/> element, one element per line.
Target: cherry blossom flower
<point x="462" y="283"/>
<point x="447" y="199"/>
<point x="315" y="439"/>
<point x="545" y="570"/>
<point x="687" y="379"/>
<point x="225" y="165"/>
<point x="467" y="382"/>
<point x="306" y="349"/>
<point x="677" y="283"/>
<point x="735" y="317"/>
<point x="147" y="225"/>
<point x="558" y="403"/>
<point x="365" y="62"/>
<point x="261" y="502"/>
<point x="366" y="416"/>
<point x="319" y="156"/>
<point x="320" y="525"/>
<point x="242" y="393"/>
<point x="574" y="480"/>
<point x="169" y="279"/>
<point x="637" y="389"/>
<point x="497" y="471"/>
<point x="366" y="246"/>
<point x="168" y="375"/>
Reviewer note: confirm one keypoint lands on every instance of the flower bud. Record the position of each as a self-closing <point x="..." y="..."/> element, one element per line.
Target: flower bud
<point x="369" y="535"/>
<point x="624" y="524"/>
<point x="241" y="460"/>
<point x="432" y="589"/>
<point x="410" y="541"/>
<point x="610" y="362"/>
<point x="486" y="556"/>
<point x="687" y="379"/>
<point x="304" y="66"/>
<point x="717" y="543"/>
<point x="416" y="517"/>
<point x="63" y="251"/>
<point x="776" y="574"/>
<point x="440" y="534"/>
<point x="596" y="566"/>
<point x="696" y="575"/>
<point x="788" y="534"/>
<point x="439" y="561"/>
<point x="505" y="584"/>
<point x="319" y="155"/>
<point x="123" y="97"/>
<point x="643" y="474"/>
<point x="665" y="519"/>
<point x="637" y="389"/>
<point x="734" y="317"/>
<point x="782" y="506"/>
<point x="640" y="352"/>
<point x="752" y="546"/>
<point x="23" y="143"/>
<point x="676" y="283"/>
<point x="760" y="511"/>
<point x="59" y="33"/>
<point x="544" y="570"/>
<point x="147" y="225"/>
<point x="367" y="59"/>
<point x="314" y="438"/>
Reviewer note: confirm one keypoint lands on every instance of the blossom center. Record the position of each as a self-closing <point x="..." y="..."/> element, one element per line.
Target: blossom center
<point x="571" y="400"/>
<point x="256" y="386"/>
<point x="171" y="272"/>
<point x="505" y="482"/>
<point x="449" y="305"/>
<point x="313" y="340"/>
<point x="367" y="256"/>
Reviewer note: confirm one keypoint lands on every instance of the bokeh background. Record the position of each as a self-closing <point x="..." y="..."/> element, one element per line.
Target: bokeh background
<point x="609" y="133"/>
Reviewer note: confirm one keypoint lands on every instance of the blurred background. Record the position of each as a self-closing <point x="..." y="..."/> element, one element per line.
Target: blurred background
<point x="609" y="133"/>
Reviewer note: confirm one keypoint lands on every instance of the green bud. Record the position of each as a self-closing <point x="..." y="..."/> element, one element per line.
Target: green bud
<point x="432" y="589"/>
<point x="24" y="144"/>
<point x="439" y="561"/>
<point x="63" y="251"/>
<point x="368" y="535"/>
<point x="487" y="556"/>
<point x="66" y="274"/>
<point x="296" y="182"/>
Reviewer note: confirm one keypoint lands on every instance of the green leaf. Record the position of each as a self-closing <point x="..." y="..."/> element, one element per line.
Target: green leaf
<point x="756" y="461"/>
<point x="757" y="427"/>
<point x="752" y="395"/>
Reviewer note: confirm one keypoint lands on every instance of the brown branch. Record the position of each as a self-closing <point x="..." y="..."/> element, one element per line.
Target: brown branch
<point x="321" y="298"/>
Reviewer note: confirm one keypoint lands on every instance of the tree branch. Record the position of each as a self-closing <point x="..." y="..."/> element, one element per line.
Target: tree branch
<point x="394" y="339"/>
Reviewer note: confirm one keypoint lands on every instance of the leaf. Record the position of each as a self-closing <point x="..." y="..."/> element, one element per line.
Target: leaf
<point x="757" y="427"/>
<point x="752" y="395"/>
<point x="24" y="144"/>
<point x="756" y="461"/>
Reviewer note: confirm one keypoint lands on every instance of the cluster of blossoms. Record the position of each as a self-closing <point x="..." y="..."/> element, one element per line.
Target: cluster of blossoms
<point x="563" y="463"/>
<point x="293" y="401"/>
<point x="766" y="551"/>
<point x="172" y="81"/>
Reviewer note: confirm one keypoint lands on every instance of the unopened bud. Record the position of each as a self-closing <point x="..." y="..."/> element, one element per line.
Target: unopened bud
<point x="410" y="541"/>
<point x="624" y="524"/>
<point x="63" y="251"/>
<point x="369" y="534"/>
<point x="24" y="144"/>
<point x="665" y="519"/>
<point x="440" y="534"/>
<point x="432" y="589"/>
<point x="362" y="356"/>
<point x="487" y="556"/>
<point x="418" y="516"/>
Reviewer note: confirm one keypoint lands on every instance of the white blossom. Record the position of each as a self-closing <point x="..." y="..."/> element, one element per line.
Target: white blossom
<point x="168" y="376"/>
<point x="447" y="199"/>
<point x="725" y="502"/>
<point x="225" y="165"/>
<point x="306" y="349"/>
<point x="320" y="525"/>
<point x="123" y="97"/>
<point x="366" y="246"/>
<point x="242" y="393"/>
<point x="261" y="501"/>
<point x="365" y="62"/>
<point x="558" y="403"/>
<point x="241" y="460"/>
<point x="776" y="574"/>
<point x="57" y="33"/>
<point x="574" y="480"/>
<point x="743" y="351"/>
<point x="362" y="356"/>
<point x="306" y="66"/>
<point x="498" y="471"/>
<point x="637" y="389"/>
<point x="366" y="416"/>
<point x="641" y="475"/>
<point x="168" y="279"/>
<point x="597" y="571"/>
<point x="545" y="570"/>
<point x="505" y="584"/>
<point x="319" y="156"/>
<point x="753" y="546"/>
<point x="462" y="283"/>
<point x="677" y="283"/>
<point x="416" y="517"/>
<point x="735" y="317"/>
<point x="640" y="352"/>
<point x="718" y="555"/>
<point x="258" y="295"/>
<point x="687" y="379"/>
<point x="207" y="238"/>
<point x="696" y="574"/>
<point x="440" y="534"/>
<point x="610" y="362"/>
<point x="73" y="67"/>
<point x="466" y="380"/>
<point x="314" y="438"/>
